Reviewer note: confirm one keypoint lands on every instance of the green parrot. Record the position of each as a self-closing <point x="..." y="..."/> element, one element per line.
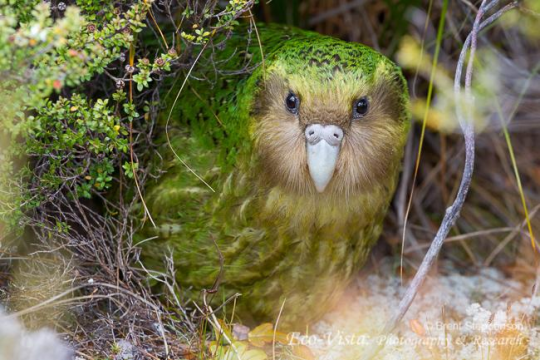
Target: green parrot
<point x="281" y="174"/>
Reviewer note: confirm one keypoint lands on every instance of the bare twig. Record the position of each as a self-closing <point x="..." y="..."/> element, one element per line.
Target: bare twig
<point x="452" y="213"/>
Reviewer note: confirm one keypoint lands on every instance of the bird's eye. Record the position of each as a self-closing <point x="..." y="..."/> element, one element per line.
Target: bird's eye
<point x="361" y="107"/>
<point x="292" y="102"/>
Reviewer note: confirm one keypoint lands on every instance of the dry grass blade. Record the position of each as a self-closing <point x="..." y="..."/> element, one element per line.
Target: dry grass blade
<point x="424" y="124"/>
<point x="170" y="115"/>
<point x="452" y="213"/>
<point x="513" y="157"/>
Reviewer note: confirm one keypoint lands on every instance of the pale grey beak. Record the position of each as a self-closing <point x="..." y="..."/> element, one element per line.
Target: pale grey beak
<point x="323" y="144"/>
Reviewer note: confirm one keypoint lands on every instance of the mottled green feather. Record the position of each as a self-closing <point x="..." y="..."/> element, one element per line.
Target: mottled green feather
<point x="278" y="244"/>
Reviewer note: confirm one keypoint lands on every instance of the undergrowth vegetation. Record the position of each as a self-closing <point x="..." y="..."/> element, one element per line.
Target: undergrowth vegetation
<point x="80" y="93"/>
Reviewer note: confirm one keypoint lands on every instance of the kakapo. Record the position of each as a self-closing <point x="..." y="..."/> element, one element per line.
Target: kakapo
<point x="285" y="169"/>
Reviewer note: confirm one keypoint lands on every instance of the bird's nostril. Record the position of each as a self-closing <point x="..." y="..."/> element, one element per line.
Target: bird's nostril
<point x="311" y="132"/>
<point x="336" y="135"/>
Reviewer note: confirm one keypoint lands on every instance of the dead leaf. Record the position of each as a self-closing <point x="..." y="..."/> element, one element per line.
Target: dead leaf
<point x="264" y="334"/>
<point x="254" y="354"/>
<point x="302" y="352"/>
<point x="261" y="335"/>
<point x="417" y="327"/>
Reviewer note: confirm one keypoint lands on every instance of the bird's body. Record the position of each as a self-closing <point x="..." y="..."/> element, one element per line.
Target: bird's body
<point x="298" y="172"/>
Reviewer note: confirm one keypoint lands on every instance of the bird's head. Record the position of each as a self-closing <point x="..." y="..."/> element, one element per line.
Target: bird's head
<point x="329" y="117"/>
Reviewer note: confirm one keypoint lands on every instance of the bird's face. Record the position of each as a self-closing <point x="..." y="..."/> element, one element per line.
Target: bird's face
<point x="324" y="124"/>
